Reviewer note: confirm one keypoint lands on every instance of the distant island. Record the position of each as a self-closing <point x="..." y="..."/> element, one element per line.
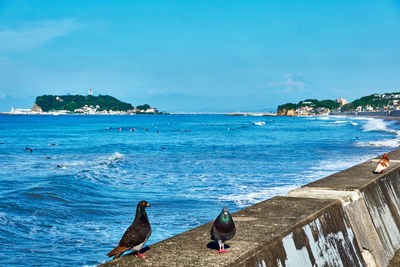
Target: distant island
<point x="370" y="103"/>
<point x="81" y="104"/>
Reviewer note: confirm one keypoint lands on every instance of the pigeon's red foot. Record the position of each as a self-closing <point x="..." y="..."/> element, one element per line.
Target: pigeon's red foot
<point x="382" y="171"/>
<point x="221" y="251"/>
<point x="141" y="255"/>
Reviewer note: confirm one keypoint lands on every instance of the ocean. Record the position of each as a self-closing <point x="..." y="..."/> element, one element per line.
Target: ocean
<point x="68" y="201"/>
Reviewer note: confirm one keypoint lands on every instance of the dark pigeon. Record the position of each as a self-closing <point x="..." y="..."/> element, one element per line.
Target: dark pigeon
<point x="136" y="235"/>
<point x="223" y="229"/>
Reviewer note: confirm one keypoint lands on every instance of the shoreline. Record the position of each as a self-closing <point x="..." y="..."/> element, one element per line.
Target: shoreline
<point x="254" y="114"/>
<point x="388" y="118"/>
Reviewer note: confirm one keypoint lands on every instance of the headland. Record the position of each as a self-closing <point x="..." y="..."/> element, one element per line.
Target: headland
<point x="83" y="105"/>
<point x="375" y="103"/>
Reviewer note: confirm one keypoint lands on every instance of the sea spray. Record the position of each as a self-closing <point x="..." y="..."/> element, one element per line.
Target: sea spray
<point x="378" y="125"/>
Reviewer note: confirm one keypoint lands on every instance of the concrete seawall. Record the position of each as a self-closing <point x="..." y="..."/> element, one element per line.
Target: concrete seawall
<point x="351" y="218"/>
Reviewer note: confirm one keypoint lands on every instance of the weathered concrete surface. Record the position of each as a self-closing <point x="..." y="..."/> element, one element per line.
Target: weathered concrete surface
<point x="381" y="198"/>
<point x="395" y="262"/>
<point x="278" y="232"/>
<point x="367" y="237"/>
<point x="372" y="205"/>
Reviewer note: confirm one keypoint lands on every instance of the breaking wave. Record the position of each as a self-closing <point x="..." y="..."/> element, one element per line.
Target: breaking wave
<point x="380" y="143"/>
<point x="249" y="198"/>
<point x="378" y="125"/>
<point x="114" y="160"/>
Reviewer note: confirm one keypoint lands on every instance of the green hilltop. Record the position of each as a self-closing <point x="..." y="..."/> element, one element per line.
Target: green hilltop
<point x="314" y="103"/>
<point x="73" y="102"/>
<point x="374" y="102"/>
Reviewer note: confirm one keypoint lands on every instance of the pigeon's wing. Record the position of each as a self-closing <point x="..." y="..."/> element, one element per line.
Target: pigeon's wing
<point x="130" y="238"/>
<point x="213" y="232"/>
<point x="218" y="233"/>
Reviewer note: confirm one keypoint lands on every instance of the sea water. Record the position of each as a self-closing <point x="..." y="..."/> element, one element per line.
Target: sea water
<point x="69" y="201"/>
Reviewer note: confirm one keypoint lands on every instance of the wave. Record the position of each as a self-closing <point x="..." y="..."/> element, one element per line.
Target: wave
<point x="114" y="159"/>
<point x="332" y="166"/>
<point x="246" y="199"/>
<point x="324" y="118"/>
<point x="346" y="122"/>
<point x="259" y="123"/>
<point x="380" y="143"/>
<point x="378" y="125"/>
<point x="335" y="121"/>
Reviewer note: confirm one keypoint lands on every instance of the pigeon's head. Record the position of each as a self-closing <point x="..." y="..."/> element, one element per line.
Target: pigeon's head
<point x="225" y="215"/>
<point x="225" y="211"/>
<point x="143" y="204"/>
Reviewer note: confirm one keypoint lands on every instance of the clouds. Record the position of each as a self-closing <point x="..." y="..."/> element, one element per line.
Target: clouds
<point x="290" y="83"/>
<point x="34" y="35"/>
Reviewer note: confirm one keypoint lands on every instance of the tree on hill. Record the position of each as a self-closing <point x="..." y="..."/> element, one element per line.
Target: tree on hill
<point x="143" y="107"/>
<point x="72" y="102"/>
<point x="374" y="100"/>
<point x="330" y="104"/>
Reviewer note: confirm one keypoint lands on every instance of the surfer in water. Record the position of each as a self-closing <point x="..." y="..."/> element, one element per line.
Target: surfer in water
<point x="61" y="167"/>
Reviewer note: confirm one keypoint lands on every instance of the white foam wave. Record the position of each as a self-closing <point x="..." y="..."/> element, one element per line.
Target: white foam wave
<point x="117" y="156"/>
<point x="331" y="166"/>
<point x="378" y="125"/>
<point x="259" y="123"/>
<point x="380" y="143"/>
<point x="323" y="118"/>
<point x="248" y="198"/>
<point x="339" y="122"/>
<point x="113" y="160"/>
<point x="328" y="167"/>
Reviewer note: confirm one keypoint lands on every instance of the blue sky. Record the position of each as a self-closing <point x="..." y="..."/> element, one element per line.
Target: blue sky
<point x="199" y="56"/>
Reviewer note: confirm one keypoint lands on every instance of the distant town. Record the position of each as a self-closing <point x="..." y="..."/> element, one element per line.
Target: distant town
<point x="108" y="105"/>
<point x="372" y="103"/>
<point x="85" y="105"/>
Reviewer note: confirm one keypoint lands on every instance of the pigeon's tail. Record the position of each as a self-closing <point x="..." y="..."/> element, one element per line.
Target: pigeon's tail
<point x="117" y="251"/>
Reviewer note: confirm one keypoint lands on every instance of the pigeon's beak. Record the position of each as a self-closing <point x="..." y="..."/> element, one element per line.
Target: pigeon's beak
<point x="148" y="205"/>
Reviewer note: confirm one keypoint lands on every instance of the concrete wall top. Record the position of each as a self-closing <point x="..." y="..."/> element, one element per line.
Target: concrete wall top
<point x="355" y="178"/>
<point x="256" y="225"/>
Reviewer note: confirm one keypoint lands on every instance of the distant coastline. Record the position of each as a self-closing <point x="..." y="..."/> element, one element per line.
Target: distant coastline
<point x="83" y="105"/>
<point x="387" y="102"/>
<point x="254" y="114"/>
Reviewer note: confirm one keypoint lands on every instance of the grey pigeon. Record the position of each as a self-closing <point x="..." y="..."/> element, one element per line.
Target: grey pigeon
<point x="223" y="229"/>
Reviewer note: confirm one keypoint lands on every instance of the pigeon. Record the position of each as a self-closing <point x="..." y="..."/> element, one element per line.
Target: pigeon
<point x="223" y="229"/>
<point x="382" y="164"/>
<point x="136" y="235"/>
